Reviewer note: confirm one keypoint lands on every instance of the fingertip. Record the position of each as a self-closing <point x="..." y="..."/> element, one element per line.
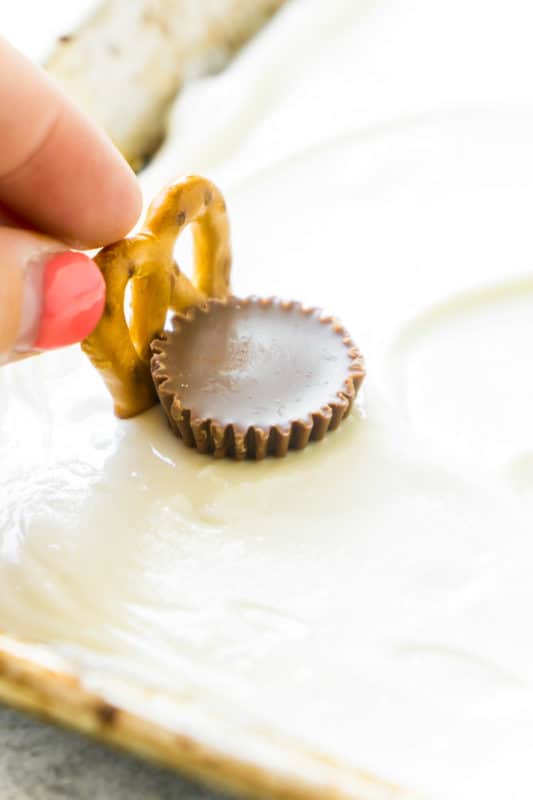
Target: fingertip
<point x="99" y="193"/>
<point x="131" y="207"/>
<point x="109" y="214"/>
<point x="73" y="300"/>
<point x="58" y="170"/>
<point x="49" y="296"/>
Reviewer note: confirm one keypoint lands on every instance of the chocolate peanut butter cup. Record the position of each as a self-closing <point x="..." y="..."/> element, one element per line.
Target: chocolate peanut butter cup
<point x="251" y="378"/>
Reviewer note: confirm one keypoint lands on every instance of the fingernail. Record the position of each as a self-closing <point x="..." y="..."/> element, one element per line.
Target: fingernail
<point x="64" y="299"/>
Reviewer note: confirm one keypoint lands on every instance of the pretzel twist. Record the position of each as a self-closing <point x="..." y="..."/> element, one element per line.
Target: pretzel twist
<point x="121" y="352"/>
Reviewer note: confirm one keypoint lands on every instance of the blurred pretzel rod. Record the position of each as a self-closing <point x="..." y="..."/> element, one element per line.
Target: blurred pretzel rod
<point x="125" y="64"/>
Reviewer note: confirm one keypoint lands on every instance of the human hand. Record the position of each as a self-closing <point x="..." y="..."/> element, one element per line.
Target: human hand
<point x="62" y="185"/>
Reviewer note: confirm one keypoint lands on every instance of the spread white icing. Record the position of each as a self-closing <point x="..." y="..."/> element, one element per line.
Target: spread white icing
<point x="370" y="597"/>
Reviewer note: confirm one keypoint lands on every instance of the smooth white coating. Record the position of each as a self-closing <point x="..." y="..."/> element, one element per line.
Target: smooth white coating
<point x="369" y="598"/>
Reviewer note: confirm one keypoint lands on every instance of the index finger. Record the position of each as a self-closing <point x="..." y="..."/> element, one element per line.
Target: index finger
<point x="57" y="170"/>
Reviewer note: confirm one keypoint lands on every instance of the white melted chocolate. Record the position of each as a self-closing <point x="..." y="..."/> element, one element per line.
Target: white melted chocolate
<point x="368" y="598"/>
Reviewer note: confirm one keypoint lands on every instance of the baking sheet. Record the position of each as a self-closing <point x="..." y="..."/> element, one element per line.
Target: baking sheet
<point x="361" y="608"/>
<point x="395" y="641"/>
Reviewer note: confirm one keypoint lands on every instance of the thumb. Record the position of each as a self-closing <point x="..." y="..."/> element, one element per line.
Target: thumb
<point x="49" y="296"/>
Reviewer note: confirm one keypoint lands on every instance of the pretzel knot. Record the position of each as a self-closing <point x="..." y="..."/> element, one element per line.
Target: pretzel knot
<point x="121" y="351"/>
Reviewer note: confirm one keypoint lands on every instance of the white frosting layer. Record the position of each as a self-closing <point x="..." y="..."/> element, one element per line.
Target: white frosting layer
<point x="370" y="597"/>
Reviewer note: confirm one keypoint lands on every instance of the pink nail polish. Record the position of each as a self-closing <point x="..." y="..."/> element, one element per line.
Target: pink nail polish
<point x="64" y="301"/>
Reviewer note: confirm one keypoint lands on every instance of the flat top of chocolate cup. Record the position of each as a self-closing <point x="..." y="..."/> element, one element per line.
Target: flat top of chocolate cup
<point x="255" y="362"/>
